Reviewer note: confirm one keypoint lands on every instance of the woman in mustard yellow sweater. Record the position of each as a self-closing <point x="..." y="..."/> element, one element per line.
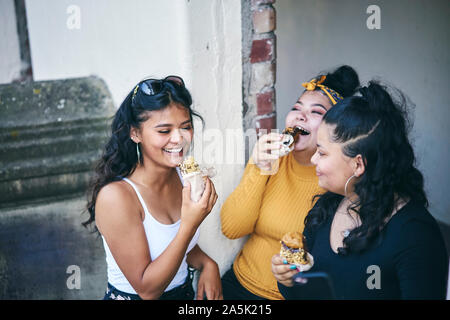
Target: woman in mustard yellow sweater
<point x="275" y="193"/>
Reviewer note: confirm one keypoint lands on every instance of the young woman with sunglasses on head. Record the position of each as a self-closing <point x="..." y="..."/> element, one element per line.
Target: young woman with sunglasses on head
<point x="370" y="232"/>
<point x="147" y="220"/>
<point x="264" y="206"/>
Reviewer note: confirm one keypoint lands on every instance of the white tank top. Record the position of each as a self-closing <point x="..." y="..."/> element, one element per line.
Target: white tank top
<point x="159" y="236"/>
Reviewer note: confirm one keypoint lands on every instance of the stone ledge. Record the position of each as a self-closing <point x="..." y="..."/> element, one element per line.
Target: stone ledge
<point x="47" y="102"/>
<point x="57" y="146"/>
<point x="51" y="135"/>
<point x="30" y="189"/>
<point x="20" y="133"/>
<point x="47" y="166"/>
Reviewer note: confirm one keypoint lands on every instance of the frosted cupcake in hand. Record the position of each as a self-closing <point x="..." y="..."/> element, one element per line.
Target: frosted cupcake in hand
<point x="294" y="251"/>
<point x="191" y="172"/>
<point x="290" y="136"/>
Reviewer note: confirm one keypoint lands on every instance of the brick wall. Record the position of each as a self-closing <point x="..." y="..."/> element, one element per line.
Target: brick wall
<point x="263" y="63"/>
<point x="259" y="64"/>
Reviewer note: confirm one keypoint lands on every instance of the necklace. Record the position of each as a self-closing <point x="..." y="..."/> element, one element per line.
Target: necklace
<point x="345" y="233"/>
<point x="343" y="210"/>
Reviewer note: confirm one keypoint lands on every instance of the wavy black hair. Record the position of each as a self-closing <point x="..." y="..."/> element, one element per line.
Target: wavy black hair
<point x="376" y="127"/>
<point x="120" y="157"/>
<point x="344" y="80"/>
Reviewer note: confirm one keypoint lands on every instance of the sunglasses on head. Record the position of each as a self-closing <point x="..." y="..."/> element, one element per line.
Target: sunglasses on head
<point x="150" y="87"/>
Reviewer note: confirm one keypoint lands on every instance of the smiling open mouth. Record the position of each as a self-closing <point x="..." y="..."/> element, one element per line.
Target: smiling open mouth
<point x="292" y="133"/>
<point x="302" y="130"/>
<point x="174" y="150"/>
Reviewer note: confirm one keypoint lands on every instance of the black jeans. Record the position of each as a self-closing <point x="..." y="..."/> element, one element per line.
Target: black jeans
<point x="232" y="289"/>
<point x="182" y="292"/>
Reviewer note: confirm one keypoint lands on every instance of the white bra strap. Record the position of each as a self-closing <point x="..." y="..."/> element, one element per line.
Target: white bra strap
<point x="138" y="194"/>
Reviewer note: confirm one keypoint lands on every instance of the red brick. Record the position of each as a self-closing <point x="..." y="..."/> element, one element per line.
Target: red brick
<point x="264" y="20"/>
<point x="262" y="50"/>
<point x="265" y="102"/>
<point x="266" y="123"/>
<point x="259" y="2"/>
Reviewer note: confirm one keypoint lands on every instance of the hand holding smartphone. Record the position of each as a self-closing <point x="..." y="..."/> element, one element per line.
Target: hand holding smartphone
<point x="314" y="286"/>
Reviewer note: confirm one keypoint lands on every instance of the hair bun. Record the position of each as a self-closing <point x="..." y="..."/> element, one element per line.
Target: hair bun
<point x="344" y="80"/>
<point x="378" y="98"/>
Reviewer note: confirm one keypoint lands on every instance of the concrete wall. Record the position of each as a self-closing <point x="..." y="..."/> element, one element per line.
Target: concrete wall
<point x="410" y="52"/>
<point x="45" y="254"/>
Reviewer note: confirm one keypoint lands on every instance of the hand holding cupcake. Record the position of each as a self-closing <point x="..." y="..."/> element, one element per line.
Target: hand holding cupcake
<point x="293" y="250"/>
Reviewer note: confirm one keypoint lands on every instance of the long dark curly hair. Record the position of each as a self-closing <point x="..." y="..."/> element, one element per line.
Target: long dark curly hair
<point x="120" y="157"/>
<point x="376" y="127"/>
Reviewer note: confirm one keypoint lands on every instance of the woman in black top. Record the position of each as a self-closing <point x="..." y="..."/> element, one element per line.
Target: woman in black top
<point x="370" y="232"/>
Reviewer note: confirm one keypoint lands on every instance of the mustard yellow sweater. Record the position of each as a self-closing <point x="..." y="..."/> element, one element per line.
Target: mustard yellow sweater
<point x="266" y="207"/>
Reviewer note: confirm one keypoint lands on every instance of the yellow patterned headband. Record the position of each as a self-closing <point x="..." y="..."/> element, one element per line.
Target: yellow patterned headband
<point x="313" y="84"/>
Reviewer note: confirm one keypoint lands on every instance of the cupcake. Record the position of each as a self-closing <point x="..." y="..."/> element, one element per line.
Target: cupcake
<point x="189" y="166"/>
<point x="294" y="251"/>
<point x="190" y="171"/>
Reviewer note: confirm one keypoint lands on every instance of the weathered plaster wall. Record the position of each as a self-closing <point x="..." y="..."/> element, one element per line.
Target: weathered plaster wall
<point x="9" y="46"/>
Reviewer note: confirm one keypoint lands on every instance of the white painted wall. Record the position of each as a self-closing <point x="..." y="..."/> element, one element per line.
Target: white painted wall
<point x="120" y="41"/>
<point x="125" y="41"/>
<point x="216" y="71"/>
<point x="9" y="44"/>
<point x="410" y="51"/>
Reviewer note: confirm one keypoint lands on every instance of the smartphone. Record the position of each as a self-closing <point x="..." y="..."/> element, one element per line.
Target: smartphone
<point x="314" y="286"/>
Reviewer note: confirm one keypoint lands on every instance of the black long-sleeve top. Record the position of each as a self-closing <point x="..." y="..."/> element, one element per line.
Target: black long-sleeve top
<point x="411" y="256"/>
